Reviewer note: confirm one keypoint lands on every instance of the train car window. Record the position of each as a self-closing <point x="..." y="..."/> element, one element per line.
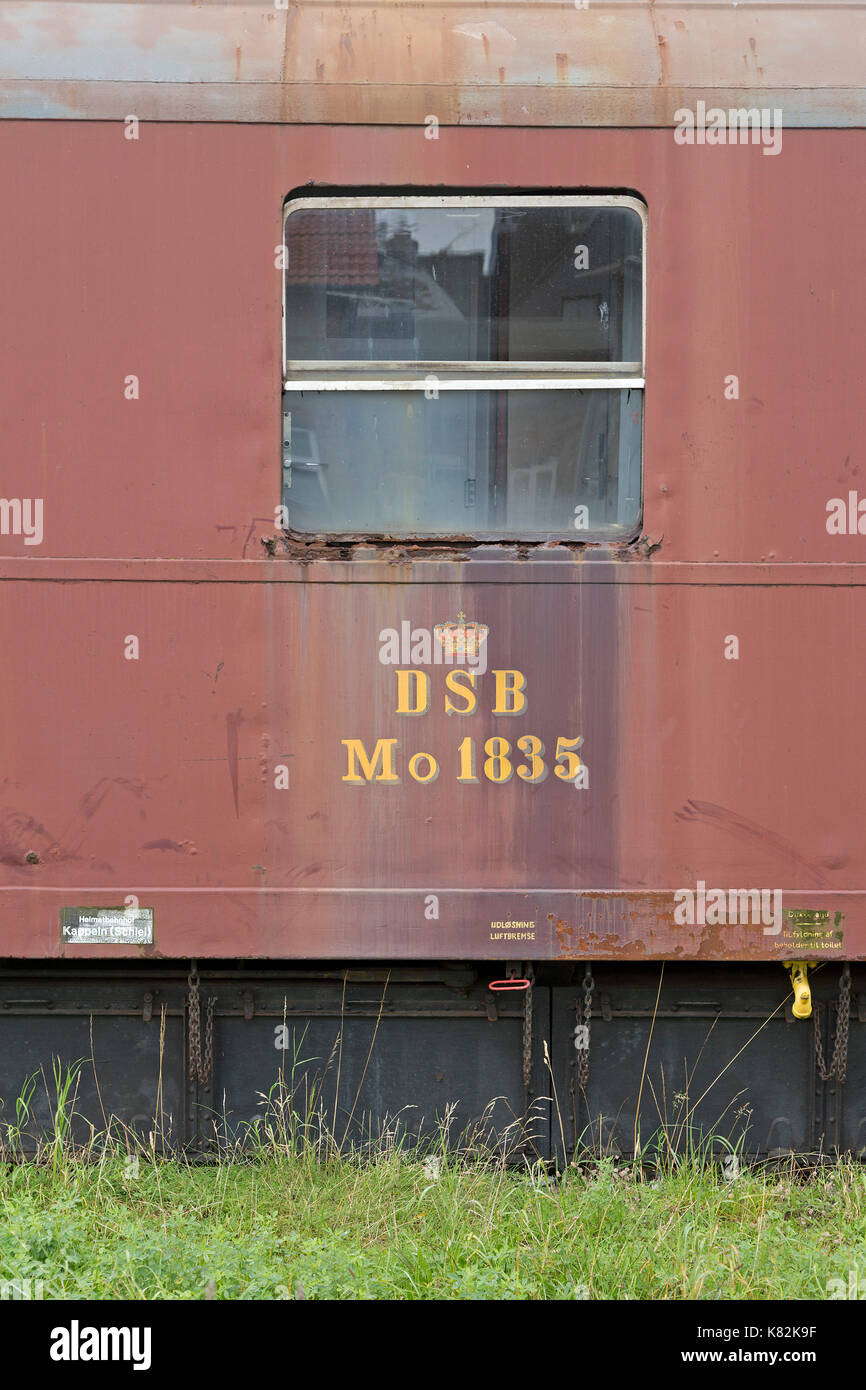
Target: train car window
<point x="464" y="367"/>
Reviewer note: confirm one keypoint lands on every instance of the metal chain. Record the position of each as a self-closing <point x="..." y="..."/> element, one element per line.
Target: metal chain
<point x="584" y="1015"/>
<point x="839" y="1065"/>
<point x="208" y="1042"/>
<point x="199" y="1069"/>
<point x="194" y="1025"/>
<point x="527" y="1033"/>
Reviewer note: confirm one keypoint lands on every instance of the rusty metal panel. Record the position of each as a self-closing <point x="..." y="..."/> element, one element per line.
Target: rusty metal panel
<point x="210" y="778"/>
<point x="156" y="777"/>
<point x="196" y="211"/>
<point x="193" y="209"/>
<point x="548" y="62"/>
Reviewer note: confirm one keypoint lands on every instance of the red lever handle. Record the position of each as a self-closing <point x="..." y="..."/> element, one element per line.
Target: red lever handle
<point x="511" y="983"/>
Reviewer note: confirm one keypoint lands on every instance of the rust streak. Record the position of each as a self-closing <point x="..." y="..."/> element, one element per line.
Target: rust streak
<point x="233" y="723"/>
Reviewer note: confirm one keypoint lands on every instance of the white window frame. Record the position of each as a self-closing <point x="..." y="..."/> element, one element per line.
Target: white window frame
<point x="358" y="375"/>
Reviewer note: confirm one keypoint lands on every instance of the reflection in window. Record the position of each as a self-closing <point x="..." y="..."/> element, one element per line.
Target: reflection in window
<point x="445" y="285"/>
<point x="480" y="463"/>
<point x="533" y="310"/>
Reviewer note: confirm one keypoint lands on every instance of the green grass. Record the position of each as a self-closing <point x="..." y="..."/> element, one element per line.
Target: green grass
<point x="295" y="1226"/>
<point x="289" y="1210"/>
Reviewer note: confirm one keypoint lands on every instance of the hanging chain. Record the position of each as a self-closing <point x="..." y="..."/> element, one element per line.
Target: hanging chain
<point x="200" y="1069"/>
<point x="208" y="1041"/>
<point x="194" y="1025"/>
<point x="527" y="1032"/>
<point x="839" y="1065"/>
<point x="581" y="1032"/>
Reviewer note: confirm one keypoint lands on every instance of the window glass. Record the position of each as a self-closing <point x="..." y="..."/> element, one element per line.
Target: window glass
<point x="464" y="367"/>
<point x="463" y="284"/>
<point x="490" y="464"/>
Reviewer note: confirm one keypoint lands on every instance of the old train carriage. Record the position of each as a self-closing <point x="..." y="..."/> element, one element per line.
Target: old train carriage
<point x="432" y="545"/>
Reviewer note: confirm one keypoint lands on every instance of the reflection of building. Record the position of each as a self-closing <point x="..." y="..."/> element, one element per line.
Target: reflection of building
<point x="556" y="288"/>
<point x="363" y="293"/>
<point x="339" y="248"/>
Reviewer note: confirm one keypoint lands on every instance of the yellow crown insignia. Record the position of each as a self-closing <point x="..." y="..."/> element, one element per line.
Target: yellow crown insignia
<point x="461" y="639"/>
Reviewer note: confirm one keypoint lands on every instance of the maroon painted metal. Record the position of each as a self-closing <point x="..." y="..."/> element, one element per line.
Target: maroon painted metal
<point x="156" y="777"/>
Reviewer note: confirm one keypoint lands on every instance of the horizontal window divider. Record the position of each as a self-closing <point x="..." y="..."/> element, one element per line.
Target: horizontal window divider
<point x="353" y="366"/>
<point x="537" y="382"/>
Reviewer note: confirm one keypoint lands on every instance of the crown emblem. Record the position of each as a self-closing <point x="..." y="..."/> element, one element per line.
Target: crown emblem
<point x="461" y="639"/>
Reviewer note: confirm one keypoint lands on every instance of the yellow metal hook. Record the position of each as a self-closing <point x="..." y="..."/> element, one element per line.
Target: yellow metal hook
<point x="802" y="1005"/>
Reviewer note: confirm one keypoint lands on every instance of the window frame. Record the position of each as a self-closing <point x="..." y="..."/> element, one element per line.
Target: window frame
<point x="300" y="374"/>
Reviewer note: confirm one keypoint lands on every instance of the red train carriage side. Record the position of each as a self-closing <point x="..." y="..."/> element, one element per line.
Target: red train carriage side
<point x="431" y="543"/>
